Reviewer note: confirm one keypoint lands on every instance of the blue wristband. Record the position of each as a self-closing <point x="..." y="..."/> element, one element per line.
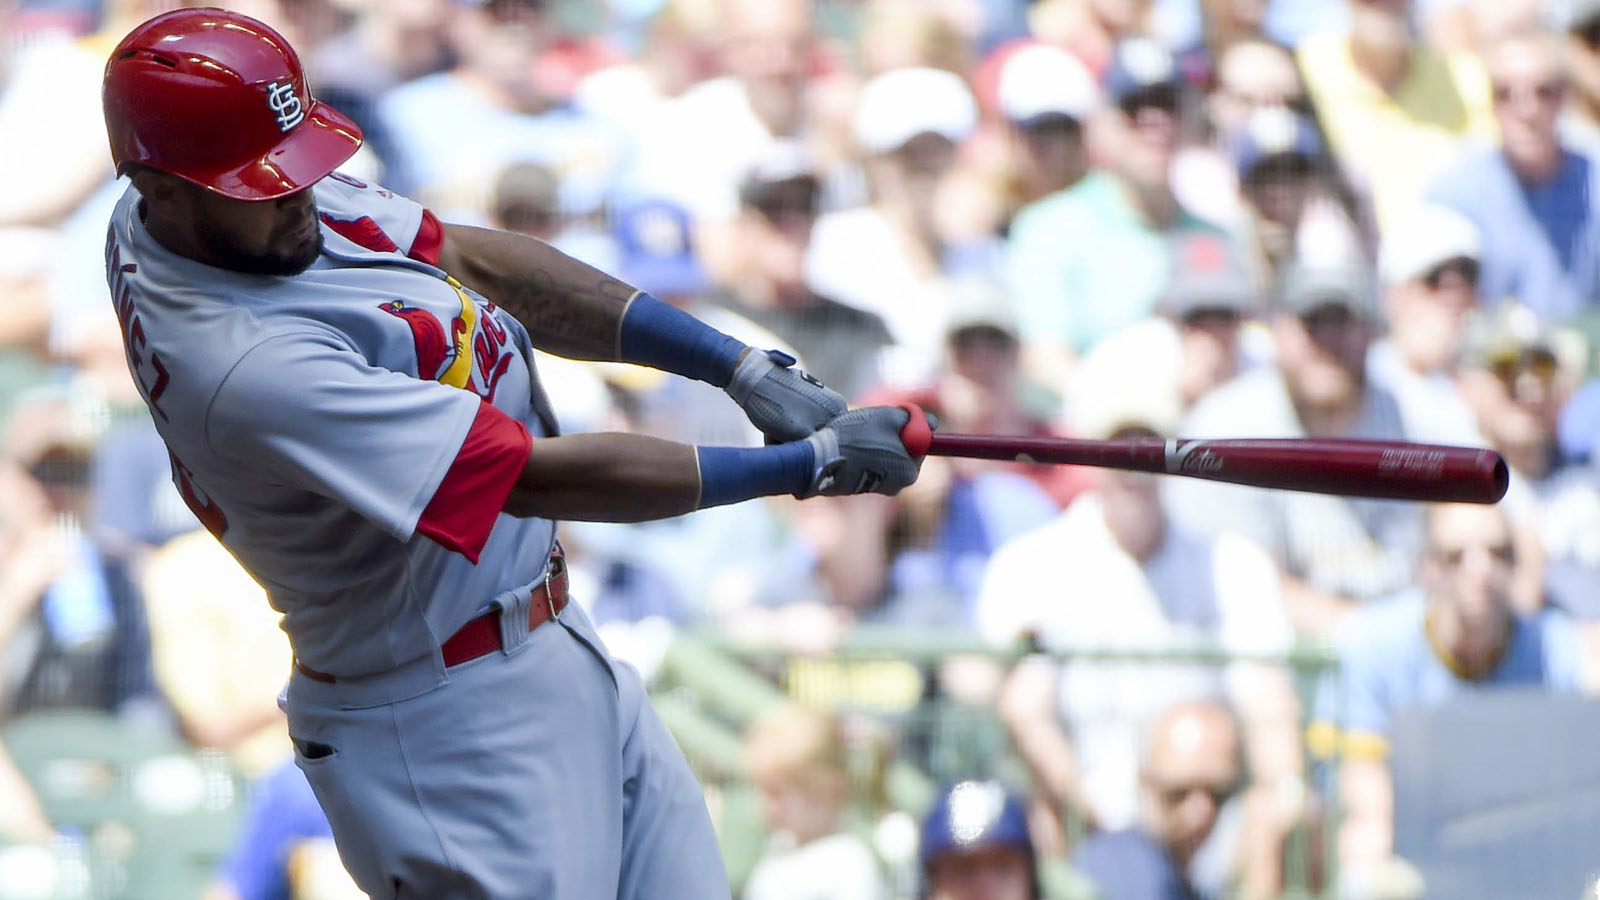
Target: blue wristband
<point x="733" y="474"/>
<point x="661" y="336"/>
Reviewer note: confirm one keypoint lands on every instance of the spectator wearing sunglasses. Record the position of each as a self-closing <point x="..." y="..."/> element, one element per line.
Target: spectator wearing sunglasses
<point x="1457" y="633"/>
<point x="780" y="199"/>
<point x="1532" y="196"/>
<point x="1335" y="553"/>
<point x="1519" y="379"/>
<point x="1086" y="262"/>
<point x="1430" y="282"/>
<point x="1190" y="774"/>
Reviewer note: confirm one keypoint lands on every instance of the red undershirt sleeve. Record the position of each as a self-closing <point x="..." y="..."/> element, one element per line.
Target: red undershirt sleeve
<point x="429" y="240"/>
<point x="474" y="490"/>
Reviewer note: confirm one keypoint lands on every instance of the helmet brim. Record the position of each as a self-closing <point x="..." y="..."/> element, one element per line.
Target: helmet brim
<point x="307" y="155"/>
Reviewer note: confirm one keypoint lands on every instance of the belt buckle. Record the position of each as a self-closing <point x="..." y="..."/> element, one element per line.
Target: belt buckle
<point x="549" y="595"/>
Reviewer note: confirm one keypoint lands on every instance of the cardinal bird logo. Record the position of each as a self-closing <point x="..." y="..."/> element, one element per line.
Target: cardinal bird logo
<point x="445" y="358"/>
<point x="433" y="347"/>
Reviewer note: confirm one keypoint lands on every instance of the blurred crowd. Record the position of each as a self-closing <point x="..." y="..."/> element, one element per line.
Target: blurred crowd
<point x="1091" y="218"/>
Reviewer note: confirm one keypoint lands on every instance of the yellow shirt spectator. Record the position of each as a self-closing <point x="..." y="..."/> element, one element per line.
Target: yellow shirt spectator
<point x="220" y="656"/>
<point x="1395" y="143"/>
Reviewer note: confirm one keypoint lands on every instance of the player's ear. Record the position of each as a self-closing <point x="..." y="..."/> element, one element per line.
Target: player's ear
<point x="152" y="183"/>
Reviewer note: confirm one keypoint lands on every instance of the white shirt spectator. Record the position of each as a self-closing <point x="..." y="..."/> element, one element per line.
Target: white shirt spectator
<point x="1074" y="586"/>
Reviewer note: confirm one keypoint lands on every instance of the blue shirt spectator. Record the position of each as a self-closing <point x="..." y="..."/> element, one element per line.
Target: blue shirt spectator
<point x="283" y="814"/>
<point x="1541" y="240"/>
<point x="1532" y="198"/>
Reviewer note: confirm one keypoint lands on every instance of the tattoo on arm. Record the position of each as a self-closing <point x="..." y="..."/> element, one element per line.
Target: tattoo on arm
<point x="569" y="308"/>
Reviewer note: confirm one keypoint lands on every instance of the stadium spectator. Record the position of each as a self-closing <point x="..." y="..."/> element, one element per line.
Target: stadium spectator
<point x="780" y="199"/>
<point x="1046" y="97"/>
<point x="1087" y="261"/>
<point x="976" y="846"/>
<point x="1295" y="203"/>
<point x="1252" y="75"/>
<point x="1531" y="196"/>
<point x="1430" y="270"/>
<point x="1580" y="120"/>
<point x="454" y="131"/>
<point x="772" y="77"/>
<point x="1202" y="337"/>
<point x="219" y="655"/>
<point x="75" y="635"/>
<point x="1333" y="552"/>
<point x="1395" y="110"/>
<point x="944" y="528"/>
<point x="1114" y="572"/>
<point x="796" y="757"/>
<point x="1456" y="633"/>
<point x="1191" y="768"/>
<point x="1519" y="377"/>
<point x="893" y="257"/>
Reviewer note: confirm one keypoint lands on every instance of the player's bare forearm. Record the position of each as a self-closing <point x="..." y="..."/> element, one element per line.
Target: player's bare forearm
<point x="569" y="308"/>
<point x="606" y="478"/>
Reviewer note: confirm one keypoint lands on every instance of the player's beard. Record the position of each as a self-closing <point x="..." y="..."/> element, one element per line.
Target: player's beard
<point x="291" y="261"/>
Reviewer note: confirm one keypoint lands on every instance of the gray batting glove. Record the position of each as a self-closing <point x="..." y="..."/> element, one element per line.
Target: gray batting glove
<point x="785" y="403"/>
<point x="861" y="452"/>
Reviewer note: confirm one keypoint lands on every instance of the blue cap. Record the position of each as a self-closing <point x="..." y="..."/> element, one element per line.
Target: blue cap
<point x="1274" y="132"/>
<point x="974" y="815"/>
<point x="1139" y="64"/>
<point x="657" y="248"/>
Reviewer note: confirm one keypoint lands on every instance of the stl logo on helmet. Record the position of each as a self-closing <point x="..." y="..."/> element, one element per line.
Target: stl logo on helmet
<point x="285" y="104"/>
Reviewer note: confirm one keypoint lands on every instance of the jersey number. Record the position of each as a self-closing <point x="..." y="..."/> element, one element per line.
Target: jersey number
<point x="202" y="506"/>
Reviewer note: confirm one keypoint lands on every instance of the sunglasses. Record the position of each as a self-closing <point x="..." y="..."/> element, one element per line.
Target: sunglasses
<point x="1210" y="317"/>
<point x="1163" y="97"/>
<point x="1461" y="268"/>
<point x="1547" y="92"/>
<point x="1451" y="557"/>
<point x="1052" y="125"/>
<point x="795" y="198"/>
<point x="1510" y="366"/>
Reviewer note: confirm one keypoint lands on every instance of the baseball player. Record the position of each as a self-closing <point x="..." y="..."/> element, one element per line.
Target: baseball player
<point x="347" y="390"/>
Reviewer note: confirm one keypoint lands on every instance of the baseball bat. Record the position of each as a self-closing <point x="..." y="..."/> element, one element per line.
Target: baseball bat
<point x="1389" y="470"/>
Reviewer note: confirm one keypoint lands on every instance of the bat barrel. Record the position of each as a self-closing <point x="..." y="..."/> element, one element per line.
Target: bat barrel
<point x="1355" y="468"/>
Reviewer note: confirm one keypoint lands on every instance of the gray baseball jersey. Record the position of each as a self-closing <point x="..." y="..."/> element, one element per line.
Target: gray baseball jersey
<point x="349" y="433"/>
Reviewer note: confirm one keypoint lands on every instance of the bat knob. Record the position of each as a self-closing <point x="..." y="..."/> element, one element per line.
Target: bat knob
<point x="917" y="435"/>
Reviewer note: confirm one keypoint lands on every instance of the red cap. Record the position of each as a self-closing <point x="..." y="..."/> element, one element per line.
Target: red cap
<point x="221" y="100"/>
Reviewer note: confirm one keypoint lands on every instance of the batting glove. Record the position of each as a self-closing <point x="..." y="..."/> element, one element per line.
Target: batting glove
<point x="784" y="402"/>
<point x="861" y="452"/>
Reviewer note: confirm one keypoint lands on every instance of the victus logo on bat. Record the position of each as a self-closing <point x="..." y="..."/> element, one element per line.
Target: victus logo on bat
<point x="1191" y="457"/>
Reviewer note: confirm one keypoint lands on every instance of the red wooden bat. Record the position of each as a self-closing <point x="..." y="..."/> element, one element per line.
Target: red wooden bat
<point x="1390" y="470"/>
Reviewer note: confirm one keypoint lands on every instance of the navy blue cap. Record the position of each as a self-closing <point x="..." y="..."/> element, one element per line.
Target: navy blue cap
<point x="1139" y="64"/>
<point x="1274" y="132"/>
<point x="655" y="239"/>
<point x="974" y="815"/>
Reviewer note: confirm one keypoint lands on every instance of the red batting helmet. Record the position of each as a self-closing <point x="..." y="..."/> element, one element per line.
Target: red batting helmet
<point x="220" y="99"/>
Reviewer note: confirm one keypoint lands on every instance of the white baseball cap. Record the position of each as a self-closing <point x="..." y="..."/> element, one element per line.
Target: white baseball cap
<point x="900" y="104"/>
<point x="1043" y="79"/>
<point x="1430" y="236"/>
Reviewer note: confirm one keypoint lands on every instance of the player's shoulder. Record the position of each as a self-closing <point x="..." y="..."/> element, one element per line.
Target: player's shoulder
<point x="343" y="192"/>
